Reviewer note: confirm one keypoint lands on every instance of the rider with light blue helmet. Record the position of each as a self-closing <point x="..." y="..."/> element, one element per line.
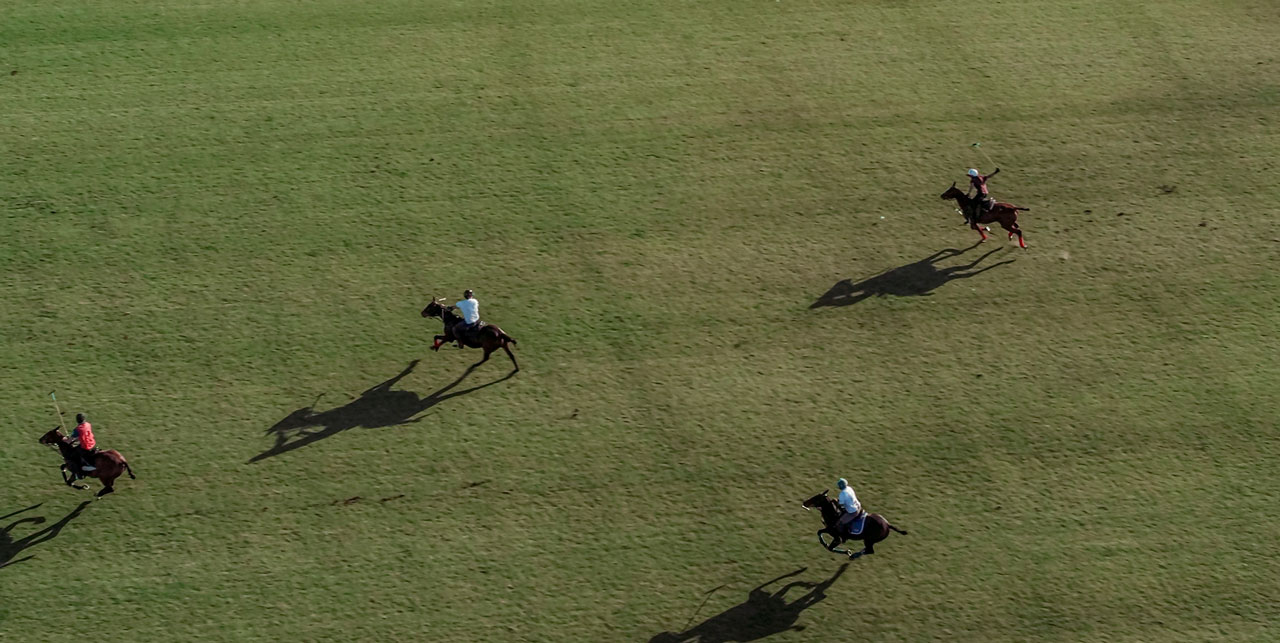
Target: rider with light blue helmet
<point x="848" y="501"/>
<point x="979" y="184"/>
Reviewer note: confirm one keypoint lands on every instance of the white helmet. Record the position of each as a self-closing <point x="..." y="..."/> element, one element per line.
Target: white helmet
<point x="973" y="172"/>
<point x="842" y="483"/>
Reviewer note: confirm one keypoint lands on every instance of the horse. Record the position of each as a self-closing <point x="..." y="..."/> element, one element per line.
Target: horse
<point x="110" y="464"/>
<point x="489" y="336"/>
<point x="1006" y="214"/>
<point x="874" y="527"/>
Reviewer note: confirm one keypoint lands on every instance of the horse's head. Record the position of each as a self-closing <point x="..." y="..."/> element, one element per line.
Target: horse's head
<point x="817" y="501"/>
<point x="54" y="436"/>
<point x="434" y="309"/>
<point x="825" y="505"/>
<point x="953" y="192"/>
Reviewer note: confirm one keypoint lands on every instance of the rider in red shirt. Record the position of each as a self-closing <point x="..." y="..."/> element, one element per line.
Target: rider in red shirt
<point x="979" y="184"/>
<point x="82" y="440"/>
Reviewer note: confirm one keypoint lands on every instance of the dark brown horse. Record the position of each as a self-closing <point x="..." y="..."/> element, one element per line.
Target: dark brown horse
<point x="488" y="337"/>
<point x="109" y="464"/>
<point x="874" y="527"/>
<point x="1006" y="214"/>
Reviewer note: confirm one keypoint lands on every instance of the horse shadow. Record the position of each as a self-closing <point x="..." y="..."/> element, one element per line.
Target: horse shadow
<point x="10" y="548"/>
<point x="762" y="614"/>
<point x="377" y="407"/>
<point x="918" y="279"/>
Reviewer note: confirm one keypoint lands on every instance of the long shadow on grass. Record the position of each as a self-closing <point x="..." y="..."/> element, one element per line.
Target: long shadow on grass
<point x="377" y="407"/>
<point x="762" y="614"/>
<point x="918" y="279"/>
<point x="10" y="548"/>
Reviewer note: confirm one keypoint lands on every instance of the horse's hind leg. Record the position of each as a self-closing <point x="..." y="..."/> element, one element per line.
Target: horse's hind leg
<point x="512" y="356"/>
<point x="867" y="550"/>
<point x="108" y="486"/>
<point x="105" y="491"/>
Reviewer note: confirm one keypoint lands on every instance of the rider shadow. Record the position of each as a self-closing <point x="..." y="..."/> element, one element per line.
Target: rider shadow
<point x="762" y="614"/>
<point x="377" y="407"/>
<point x="917" y="279"/>
<point x="10" y="548"/>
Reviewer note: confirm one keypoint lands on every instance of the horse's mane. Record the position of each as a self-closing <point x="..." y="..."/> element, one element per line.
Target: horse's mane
<point x="827" y="505"/>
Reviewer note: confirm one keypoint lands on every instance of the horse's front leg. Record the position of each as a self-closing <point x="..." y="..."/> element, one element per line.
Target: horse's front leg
<point x="439" y="339"/>
<point x="980" y="229"/>
<point x="69" y="477"/>
<point x="832" y="545"/>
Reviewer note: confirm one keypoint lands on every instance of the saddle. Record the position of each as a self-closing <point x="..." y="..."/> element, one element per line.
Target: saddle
<point x="465" y="335"/>
<point x="855" y="527"/>
<point x="77" y="462"/>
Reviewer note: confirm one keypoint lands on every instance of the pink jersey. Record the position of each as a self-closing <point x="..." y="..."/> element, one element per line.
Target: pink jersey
<point x="84" y="433"/>
<point x="980" y="182"/>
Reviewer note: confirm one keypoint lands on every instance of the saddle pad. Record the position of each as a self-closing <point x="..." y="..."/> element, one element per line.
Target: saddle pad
<point x="856" y="527"/>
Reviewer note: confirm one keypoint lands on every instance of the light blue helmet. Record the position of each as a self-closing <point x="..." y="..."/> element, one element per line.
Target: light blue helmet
<point x="842" y="483"/>
<point x="973" y="172"/>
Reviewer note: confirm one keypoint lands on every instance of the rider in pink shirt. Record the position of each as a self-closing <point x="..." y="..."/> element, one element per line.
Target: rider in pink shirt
<point x="979" y="184"/>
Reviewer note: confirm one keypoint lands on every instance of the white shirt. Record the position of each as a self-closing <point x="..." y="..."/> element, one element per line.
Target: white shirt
<point x="849" y="501"/>
<point x="470" y="310"/>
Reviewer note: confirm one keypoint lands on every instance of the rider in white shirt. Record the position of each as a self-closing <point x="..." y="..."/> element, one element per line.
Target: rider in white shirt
<point x="469" y="306"/>
<point x="848" y="501"/>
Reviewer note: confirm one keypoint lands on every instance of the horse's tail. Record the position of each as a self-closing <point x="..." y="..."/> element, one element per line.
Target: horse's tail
<point x="128" y="469"/>
<point x="1021" y="208"/>
<point x="901" y="531"/>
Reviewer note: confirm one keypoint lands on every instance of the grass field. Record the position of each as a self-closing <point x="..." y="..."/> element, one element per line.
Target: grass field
<point x="714" y="228"/>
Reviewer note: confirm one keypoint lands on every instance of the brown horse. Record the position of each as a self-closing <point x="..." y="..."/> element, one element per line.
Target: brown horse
<point x="1006" y="214"/>
<point x="489" y="337"/>
<point x="109" y="464"/>
<point x="874" y="527"/>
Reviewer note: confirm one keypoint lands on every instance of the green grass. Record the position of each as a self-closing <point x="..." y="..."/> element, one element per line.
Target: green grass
<point x="215" y="212"/>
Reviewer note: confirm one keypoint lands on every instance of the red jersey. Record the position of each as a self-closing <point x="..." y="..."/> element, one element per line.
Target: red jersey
<point x="84" y="433"/>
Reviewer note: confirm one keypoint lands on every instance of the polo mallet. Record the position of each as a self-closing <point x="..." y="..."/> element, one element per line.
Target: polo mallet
<point x="61" y="422"/>
<point x="700" y="605"/>
<point x="978" y="146"/>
